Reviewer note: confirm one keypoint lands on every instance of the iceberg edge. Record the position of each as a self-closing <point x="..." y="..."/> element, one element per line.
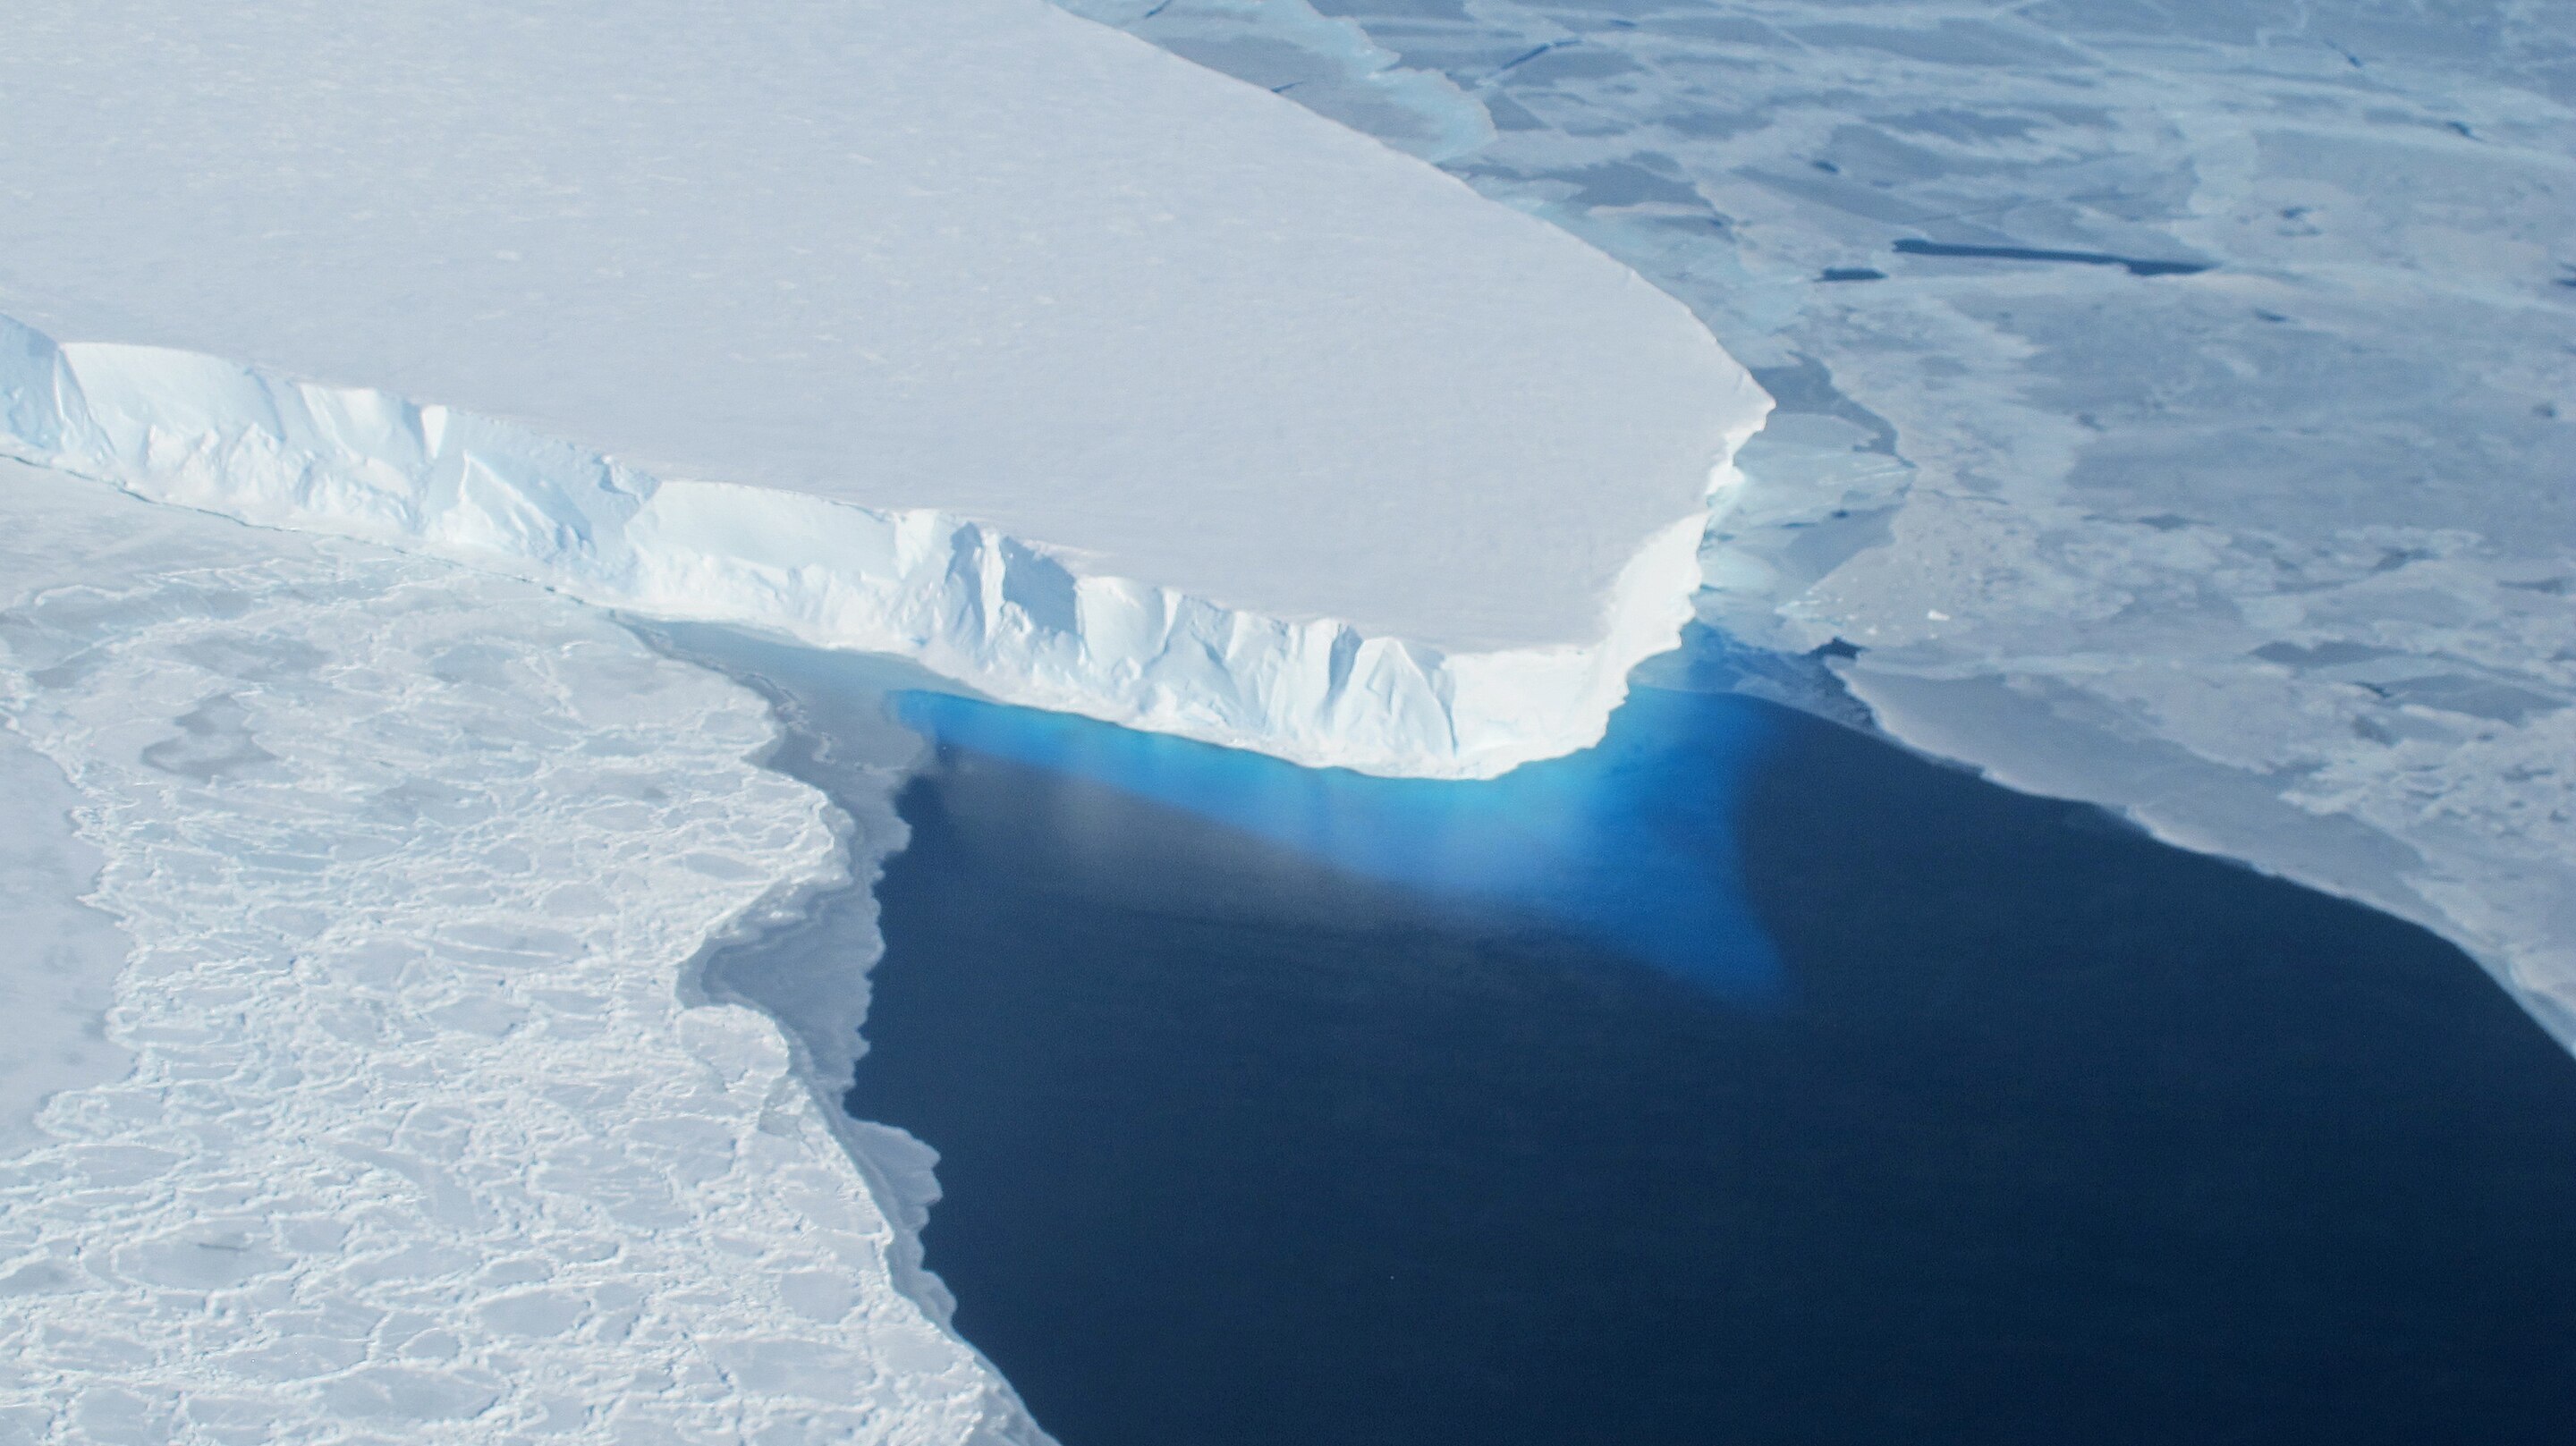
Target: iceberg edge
<point x="995" y="613"/>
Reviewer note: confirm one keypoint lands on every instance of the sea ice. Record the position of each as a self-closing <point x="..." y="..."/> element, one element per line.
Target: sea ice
<point x="1205" y="414"/>
<point x="2265" y="539"/>
<point x="429" y="1136"/>
<point x="63" y="954"/>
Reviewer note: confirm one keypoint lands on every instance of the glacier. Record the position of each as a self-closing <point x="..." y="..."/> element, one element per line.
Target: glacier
<point x="430" y="1132"/>
<point x="2263" y="541"/>
<point x="974" y="331"/>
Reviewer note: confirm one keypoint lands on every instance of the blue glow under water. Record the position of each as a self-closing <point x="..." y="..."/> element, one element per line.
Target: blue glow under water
<point x="1602" y="844"/>
<point x="1277" y="1108"/>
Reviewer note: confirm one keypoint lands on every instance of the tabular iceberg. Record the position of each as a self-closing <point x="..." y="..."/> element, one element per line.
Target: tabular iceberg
<point x="1091" y="378"/>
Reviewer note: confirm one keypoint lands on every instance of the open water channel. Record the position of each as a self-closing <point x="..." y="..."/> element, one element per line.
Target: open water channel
<point x="1746" y="1079"/>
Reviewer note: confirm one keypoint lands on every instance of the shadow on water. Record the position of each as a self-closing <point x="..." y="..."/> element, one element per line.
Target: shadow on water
<point x="1284" y="1108"/>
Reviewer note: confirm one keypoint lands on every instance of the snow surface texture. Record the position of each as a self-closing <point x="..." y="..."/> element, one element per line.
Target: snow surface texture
<point x="424" y="1141"/>
<point x="63" y="955"/>
<point x="1304" y="445"/>
<point x="2275" y="556"/>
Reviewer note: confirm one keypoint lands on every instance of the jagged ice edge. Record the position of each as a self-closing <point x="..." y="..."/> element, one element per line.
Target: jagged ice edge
<point x="1000" y="615"/>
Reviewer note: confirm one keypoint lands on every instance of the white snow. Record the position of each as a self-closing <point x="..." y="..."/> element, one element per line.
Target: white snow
<point x="426" y="1140"/>
<point x="62" y="955"/>
<point x="2277" y="558"/>
<point x="1201" y="413"/>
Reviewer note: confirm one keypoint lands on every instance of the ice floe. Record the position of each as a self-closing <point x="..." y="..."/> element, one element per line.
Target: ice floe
<point x="63" y="955"/>
<point x="430" y="1135"/>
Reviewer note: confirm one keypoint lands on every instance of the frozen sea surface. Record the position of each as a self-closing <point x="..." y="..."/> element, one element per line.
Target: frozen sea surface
<point x="429" y="1135"/>
<point x="2176" y="405"/>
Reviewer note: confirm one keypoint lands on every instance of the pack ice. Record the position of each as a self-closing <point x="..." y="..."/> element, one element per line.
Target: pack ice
<point x="2176" y="405"/>
<point x="421" y="1131"/>
<point x="972" y="331"/>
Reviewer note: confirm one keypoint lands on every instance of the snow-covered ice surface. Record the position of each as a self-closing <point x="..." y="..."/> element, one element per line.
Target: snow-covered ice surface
<point x="62" y="955"/>
<point x="430" y="1136"/>
<point x="2229" y="486"/>
<point x="971" y="330"/>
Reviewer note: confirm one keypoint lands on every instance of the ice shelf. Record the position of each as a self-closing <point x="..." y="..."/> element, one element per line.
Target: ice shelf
<point x="976" y="331"/>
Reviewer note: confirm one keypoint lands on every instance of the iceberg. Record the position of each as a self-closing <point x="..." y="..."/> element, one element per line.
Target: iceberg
<point x="976" y="332"/>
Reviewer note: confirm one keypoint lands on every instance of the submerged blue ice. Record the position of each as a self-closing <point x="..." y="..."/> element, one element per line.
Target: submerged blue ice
<point x="1631" y="844"/>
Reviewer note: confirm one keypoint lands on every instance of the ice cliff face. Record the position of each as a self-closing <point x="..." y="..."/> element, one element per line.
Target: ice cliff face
<point x="973" y="605"/>
<point x="63" y="954"/>
<point x="1088" y="376"/>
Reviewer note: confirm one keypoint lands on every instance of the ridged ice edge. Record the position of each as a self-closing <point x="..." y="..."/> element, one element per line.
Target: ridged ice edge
<point x="971" y="604"/>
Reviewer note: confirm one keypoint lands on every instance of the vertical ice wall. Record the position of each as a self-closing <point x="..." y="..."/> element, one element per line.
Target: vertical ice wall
<point x="970" y="603"/>
<point x="1082" y="373"/>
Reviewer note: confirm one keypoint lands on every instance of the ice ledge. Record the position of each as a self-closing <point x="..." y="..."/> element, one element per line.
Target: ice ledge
<point x="995" y="613"/>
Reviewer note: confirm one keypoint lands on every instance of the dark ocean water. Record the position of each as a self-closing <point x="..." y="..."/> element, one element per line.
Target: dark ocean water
<point x="1746" y="1080"/>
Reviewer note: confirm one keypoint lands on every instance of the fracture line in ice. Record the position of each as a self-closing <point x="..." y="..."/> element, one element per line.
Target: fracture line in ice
<point x="966" y="601"/>
<point x="424" y="1141"/>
